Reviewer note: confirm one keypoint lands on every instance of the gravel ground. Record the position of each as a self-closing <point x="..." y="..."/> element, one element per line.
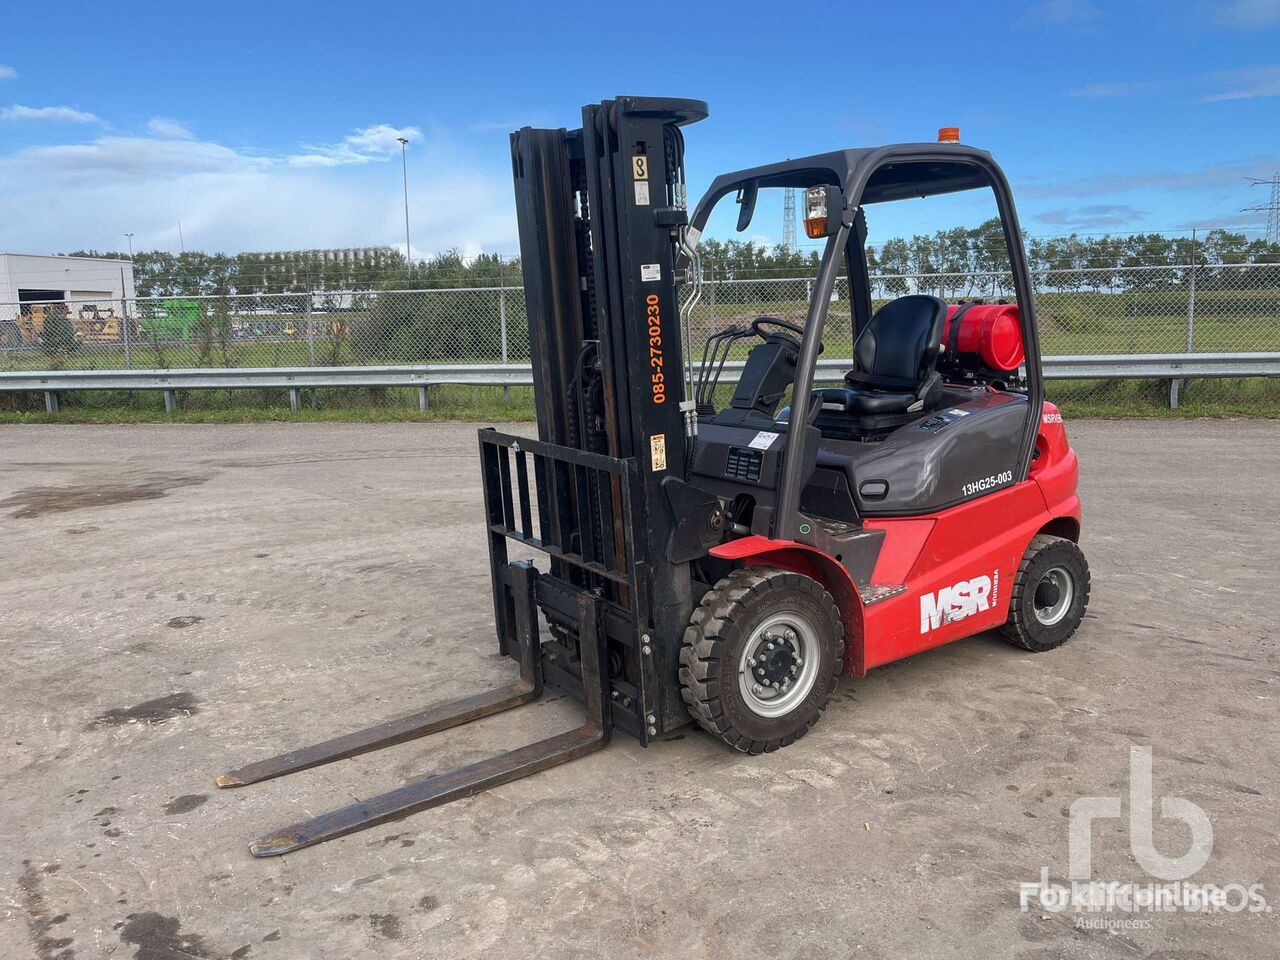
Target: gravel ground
<point x="177" y="599"/>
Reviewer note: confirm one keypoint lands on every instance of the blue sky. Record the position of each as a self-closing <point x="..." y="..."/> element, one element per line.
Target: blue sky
<point x="273" y="125"/>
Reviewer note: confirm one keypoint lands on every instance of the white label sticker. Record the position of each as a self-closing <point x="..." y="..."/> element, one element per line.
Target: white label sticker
<point x="642" y="193"/>
<point x="658" y="452"/>
<point x="640" y="167"/>
<point x="650" y="271"/>
<point x="764" y="440"/>
<point x="956" y="411"/>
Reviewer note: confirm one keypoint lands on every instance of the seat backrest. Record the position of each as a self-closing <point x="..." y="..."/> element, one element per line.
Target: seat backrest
<point x="899" y="346"/>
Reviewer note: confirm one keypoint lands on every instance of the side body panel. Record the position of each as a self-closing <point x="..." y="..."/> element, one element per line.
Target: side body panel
<point x="959" y="583"/>
<point x="957" y="565"/>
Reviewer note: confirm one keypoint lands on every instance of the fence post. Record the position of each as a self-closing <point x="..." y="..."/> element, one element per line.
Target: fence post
<point x="424" y="400"/>
<point x="124" y="322"/>
<point x="311" y="336"/>
<point x="502" y="321"/>
<point x="50" y="401"/>
<point x="170" y="401"/>
<point x="711" y="300"/>
<point x="1174" y="385"/>
<point x="1191" y="297"/>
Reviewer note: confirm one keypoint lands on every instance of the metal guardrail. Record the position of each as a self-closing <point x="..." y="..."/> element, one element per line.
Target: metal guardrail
<point x="1173" y="367"/>
<point x="293" y="379"/>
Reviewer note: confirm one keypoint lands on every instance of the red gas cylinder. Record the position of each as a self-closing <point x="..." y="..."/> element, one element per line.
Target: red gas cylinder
<point x="989" y="332"/>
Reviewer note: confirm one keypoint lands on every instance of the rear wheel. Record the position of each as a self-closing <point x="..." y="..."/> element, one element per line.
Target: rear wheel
<point x="1050" y="594"/>
<point x="761" y="655"/>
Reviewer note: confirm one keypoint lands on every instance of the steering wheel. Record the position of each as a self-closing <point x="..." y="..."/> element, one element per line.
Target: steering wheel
<point x="759" y="322"/>
<point x="794" y="329"/>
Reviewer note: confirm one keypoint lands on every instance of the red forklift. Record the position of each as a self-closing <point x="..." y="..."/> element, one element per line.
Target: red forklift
<point x="723" y="560"/>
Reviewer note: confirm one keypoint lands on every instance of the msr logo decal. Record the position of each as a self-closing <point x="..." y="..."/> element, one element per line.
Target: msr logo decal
<point x="958" y="601"/>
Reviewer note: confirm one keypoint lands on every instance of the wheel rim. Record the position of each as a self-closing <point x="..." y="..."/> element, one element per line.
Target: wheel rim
<point x="783" y="650"/>
<point x="1059" y="587"/>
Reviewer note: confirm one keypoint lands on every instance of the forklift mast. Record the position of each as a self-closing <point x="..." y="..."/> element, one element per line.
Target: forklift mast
<point x="602" y="213"/>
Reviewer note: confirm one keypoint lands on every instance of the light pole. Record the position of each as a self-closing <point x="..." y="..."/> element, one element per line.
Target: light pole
<point x="130" y="236"/>
<point x="404" y="170"/>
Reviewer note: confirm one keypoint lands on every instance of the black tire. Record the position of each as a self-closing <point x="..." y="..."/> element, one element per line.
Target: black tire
<point x="730" y="615"/>
<point x="1034" y="623"/>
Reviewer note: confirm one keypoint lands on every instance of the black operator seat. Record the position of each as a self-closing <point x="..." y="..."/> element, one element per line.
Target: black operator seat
<point x="896" y="356"/>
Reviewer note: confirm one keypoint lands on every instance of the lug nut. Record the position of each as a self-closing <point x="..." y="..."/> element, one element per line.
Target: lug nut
<point x="756" y="688"/>
<point x="769" y="646"/>
<point x="791" y="634"/>
<point x="751" y="661"/>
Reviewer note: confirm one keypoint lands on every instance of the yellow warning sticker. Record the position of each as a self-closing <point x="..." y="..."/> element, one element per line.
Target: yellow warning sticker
<point x="658" y="452"/>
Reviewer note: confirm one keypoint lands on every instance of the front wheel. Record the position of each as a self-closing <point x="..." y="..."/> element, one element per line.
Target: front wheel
<point x="1050" y="594"/>
<point x="761" y="656"/>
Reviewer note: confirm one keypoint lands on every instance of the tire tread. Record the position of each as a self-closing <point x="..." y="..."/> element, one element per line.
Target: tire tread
<point x="701" y="653"/>
<point x="1015" y="627"/>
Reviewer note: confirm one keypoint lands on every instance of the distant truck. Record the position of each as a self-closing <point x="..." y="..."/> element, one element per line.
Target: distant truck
<point x="92" y="324"/>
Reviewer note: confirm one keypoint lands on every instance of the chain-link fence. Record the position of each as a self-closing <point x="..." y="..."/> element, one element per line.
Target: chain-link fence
<point x="1155" y="309"/>
<point x="1214" y="308"/>
<point x="465" y="325"/>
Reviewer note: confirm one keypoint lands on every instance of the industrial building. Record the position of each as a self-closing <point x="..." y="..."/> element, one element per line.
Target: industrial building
<point x="38" y="278"/>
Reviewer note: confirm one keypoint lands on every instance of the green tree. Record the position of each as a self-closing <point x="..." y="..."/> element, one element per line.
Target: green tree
<point x="59" y="336"/>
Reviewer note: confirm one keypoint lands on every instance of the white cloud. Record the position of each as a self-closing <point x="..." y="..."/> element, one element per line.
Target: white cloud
<point x="367" y="144"/>
<point x="169" y="129"/>
<point x="1092" y="216"/>
<point x="1232" y="221"/>
<point x="61" y="114"/>
<point x="1105" y="184"/>
<point x="1103" y="91"/>
<point x="79" y="196"/>
<point x="1246" y="84"/>
<point x="1247" y="14"/>
<point x="7" y="72"/>
<point x="111" y="159"/>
